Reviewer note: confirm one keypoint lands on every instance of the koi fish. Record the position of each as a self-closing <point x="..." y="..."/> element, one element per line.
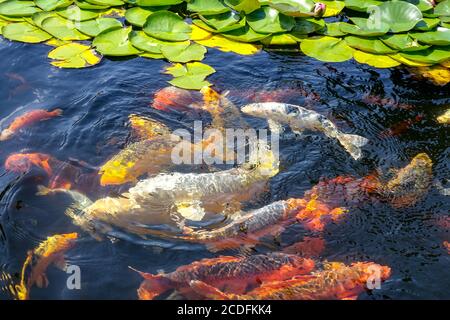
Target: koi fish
<point x="411" y="183"/>
<point x="51" y="251"/>
<point x="444" y="118"/>
<point x="378" y="101"/>
<point x="400" y="127"/>
<point x="22" y="162"/>
<point x="336" y="281"/>
<point x="279" y="95"/>
<point x="173" y="98"/>
<point x="146" y="128"/>
<point x="27" y="120"/>
<point x="308" y="247"/>
<point x="249" y="227"/>
<point x="446" y="245"/>
<point x="233" y="274"/>
<point x="300" y="119"/>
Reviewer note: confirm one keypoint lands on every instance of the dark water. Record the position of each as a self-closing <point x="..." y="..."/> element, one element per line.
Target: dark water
<point x="96" y="103"/>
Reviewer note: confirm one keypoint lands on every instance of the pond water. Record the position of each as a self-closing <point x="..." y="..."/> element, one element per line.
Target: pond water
<point x="96" y="103"/>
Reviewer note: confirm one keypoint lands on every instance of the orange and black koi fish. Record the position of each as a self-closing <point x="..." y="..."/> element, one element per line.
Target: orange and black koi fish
<point x="173" y="98"/>
<point x="337" y="282"/>
<point x="231" y="274"/>
<point x="27" y="120"/>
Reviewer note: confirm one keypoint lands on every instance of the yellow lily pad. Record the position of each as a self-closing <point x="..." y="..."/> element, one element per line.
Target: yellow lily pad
<point x="228" y="45"/>
<point x="375" y="60"/>
<point x="74" y="55"/>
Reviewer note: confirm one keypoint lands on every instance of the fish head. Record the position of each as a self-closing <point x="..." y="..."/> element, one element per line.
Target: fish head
<point x="6" y="134"/>
<point x="173" y="98"/>
<point x="22" y="162"/>
<point x="116" y="172"/>
<point x="422" y="160"/>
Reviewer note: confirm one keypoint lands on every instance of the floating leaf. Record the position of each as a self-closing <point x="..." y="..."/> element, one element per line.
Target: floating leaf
<point x="74" y="55"/>
<point x="333" y="8"/>
<point x="296" y="8"/>
<point x="106" y="2"/>
<point x="223" y="22"/>
<point x="95" y="27"/>
<point x="76" y="14"/>
<point x="432" y="55"/>
<point x="403" y="42"/>
<point x="245" y="34"/>
<point x="281" y="39"/>
<point x="327" y="49"/>
<point x="89" y="6"/>
<point x="18" y="8"/>
<point x="371" y="45"/>
<point x="115" y="43"/>
<point x="307" y="25"/>
<point x="399" y="15"/>
<point x="62" y="29"/>
<point x="245" y="6"/>
<point x="227" y="45"/>
<point x="361" y="5"/>
<point x="137" y="16"/>
<point x="166" y="25"/>
<point x="150" y="55"/>
<point x="269" y="20"/>
<point x="332" y="29"/>
<point x="56" y="42"/>
<point x="191" y="76"/>
<point x="142" y="41"/>
<point x="194" y="52"/>
<point x="375" y="60"/>
<point x="207" y="7"/>
<point x="440" y="37"/>
<point x="443" y="8"/>
<point x="364" y="28"/>
<point x="50" y="5"/>
<point x="407" y="62"/>
<point x="427" y="24"/>
<point x="157" y="3"/>
<point x="41" y="16"/>
<point x="25" y="32"/>
<point x="198" y="33"/>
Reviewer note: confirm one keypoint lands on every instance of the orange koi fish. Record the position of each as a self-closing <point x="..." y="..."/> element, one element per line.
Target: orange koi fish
<point x="447" y="246"/>
<point x="379" y="101"/>
<point x="336" y="281"/>
<point x="308" y="247"/>
<point x="27" y="120"/>
<point x="400" y="127"/>
<point x="173" y="98"/>
<point x="51" y="251"/>
<point x="231" y="274"/>
<point x="22" y="162"/>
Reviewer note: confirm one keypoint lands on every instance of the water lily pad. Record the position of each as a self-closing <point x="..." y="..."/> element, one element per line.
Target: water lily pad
<point x="53" y="42"/>
<point x="137" y="16"/>
<point x="327" y="49"/>
<point x="375" y="60"/>
<point x="115" y="43"/>
<point x="74" y="13"/>
<point x="245" y="6"/>
<point x="74" y="55"/>
<point x="269" y="20"/>
<point x="281" y="39"/>
<point x="207" y="7"/>
<point x="440" y="37"/>
<point x="190" y="76"/>
<point x="371" y="45"/>
<point x="227" y="45"/>
<point x="175" y="53"/>
<point x="38" y="17"/>
<point x="62" y="29"/>
<point x="443" y="8"/>
<point x="198" y="33"/>
<point x="361" y="5"/>
<point x="333" y="8"/>
<point x="144" y="42"/>
<point x="50" y="5"/>
<point x="403" y="42"/>
<point x="407" y="62"/>
<point x="157" y="3"/>
<point x="245" y="34"/>
<point x="422" y="5"/>
<point x="432" y="55"/>
<point x="25" y="32"/>
<point x="332" y="29"/>
<point x="201" y="24"/>
<point x="106" y="2"/>
<point x="291" y="7"/>
<point x="224" y="22"/>
<point x="307" y="25"/>
<point x="427" y="24"/>
<point x="166" y="25"/>
<point x="18" y="8"/>
<point x="399" y="15"/>
<point x="364" y="28"/>
<point x="89" y="6"/>
<point x="95" y="27"/>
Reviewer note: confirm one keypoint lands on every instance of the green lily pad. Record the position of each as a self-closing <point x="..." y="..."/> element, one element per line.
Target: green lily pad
<point x="74" y="55"/>
<point x="115" y="43"/>
<point x="18" y="8"/>
<point x="137" y="16"/>
<point x="194" y="52"/>
<point x="327" y="49"/>
<point x="245" y="6"/>
<point x="95" y="27"/>
<point x="62" y="29"/>
<point x="38" y="17"/>
<point x="291" y="7"/>
<point x="282" y="39"/>
<point x="427" y="24"/>
<point x="50" y="5"/>
<point x="375" y="60"/>
<point x="166" y="25"/>
<point x="332" y="29"/>
<point x="201" y="24"/>
<point x="307" y="25"/>
<point x="207" y="7"/>
<point x="74" y="13"/>
<point x="442" y="8"/>
<point x="440" y="37"/>
<point x="371" y="45"/>
<point x="399" y="15"/>
<point x="422" y="5"/>
<point x="24" y="32"/>
<point x="224" y="22"/>
<point x="269" y="20"/>
<point x="432" y="55"/>
<point x="111" y="3"/>
<point x="363" y="29"/>
<point x="157" y="3"/>
<point x="143" y="42"/>
<point x="190" y="76"/>
<point x="245" y="34"/>
<point x="403" y="42"/>
<point x="89" y="6"/>
<point x="361" y="5"/>
<point x="333" y="8"/>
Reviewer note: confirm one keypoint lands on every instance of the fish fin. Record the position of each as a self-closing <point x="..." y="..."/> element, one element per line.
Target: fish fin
<point x="153" y="285"/>
<point x="57" y="112"/>
<point x="191" y="210"/>
<point x="42" y="281"/>
<point x="209" y="291"/>
<point x="60" y="263"/>
<point x="43" y="191"/>
<point x="352" y="143"/>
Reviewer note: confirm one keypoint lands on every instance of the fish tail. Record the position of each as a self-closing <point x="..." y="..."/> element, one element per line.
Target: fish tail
<point x="153" y="285"/>
<point x="352" y="143"/>
<point x="43" y="191"/>
<point x="210" y="292"/>
<point x="57" y="112"/>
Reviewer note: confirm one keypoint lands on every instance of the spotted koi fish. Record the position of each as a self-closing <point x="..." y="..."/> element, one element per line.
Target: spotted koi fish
<point x="232" y="274"/>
